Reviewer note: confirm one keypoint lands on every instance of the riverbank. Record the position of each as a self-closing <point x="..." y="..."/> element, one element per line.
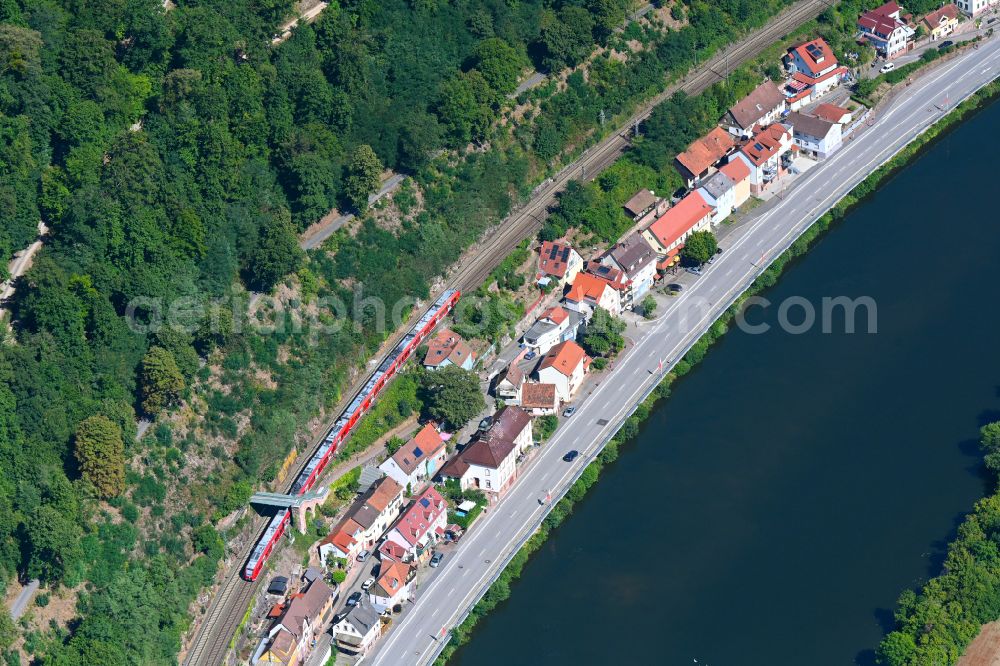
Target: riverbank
<point x="698" y="351"/>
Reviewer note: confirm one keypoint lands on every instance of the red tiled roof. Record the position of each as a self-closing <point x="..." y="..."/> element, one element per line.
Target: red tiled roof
<point x="425" y="444"/>
<point x="880" y="21"/>
<point x="706" y="151"/>
<point x="384" y="492"/>
<point x="556" y="314"/>
<point x="417" y="519"/>
<point x="824" y="54"/>
<point x="737" y="170"/>
<point x="446" y="345"/>
<point x="589" y="286"/>
<point x="933" y="20"/>
<point x="564" y="357"/>
<point x="764" y="144"/>
<point x="830" y="112"/>
<point x="538" y="396"/>
<point x="676" y="222"/>
<point x="553" y="258"/>
<point x="811" y="81"/>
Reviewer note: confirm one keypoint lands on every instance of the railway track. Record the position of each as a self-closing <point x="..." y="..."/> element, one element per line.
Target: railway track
<point x="212" y="640"/>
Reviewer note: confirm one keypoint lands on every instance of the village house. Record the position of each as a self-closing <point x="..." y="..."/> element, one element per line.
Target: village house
<point x="767" y="155"/>
<point x="448" y="348"/>
<point x="814" y="136"/>
<point x="390" y="550"/>
<point x="589" y="292"/>
<point x="761" y="107"/>
<point x="302" y="619"/>
<point x="421" y="525"/>
<point x="833" y="113"/>
<point x="643" y="206"/>
<point x="814" y="72"/>
<point x="883" y="28"/>
<point x="558" y="262"/>
<point x="417" y="460"/>
<point x="700" y="158"/>
<point x="364" y="522"/>
<point x="719" y="192"/>
<point x="508" y="382"/>
<point x="738" y="172"/>
<point x="974" y="8"/>
<point x="490" y="462"/>
<point x="565" y="365"/>
<point x="941" y="22"/>
<point x="667" y="234"/>
<point x="357" y="630"/>
<point x="392" y="585"/>
<point x="557" y="324"/>
<point x="636" y="259"/>
<point x="539" y="399"/>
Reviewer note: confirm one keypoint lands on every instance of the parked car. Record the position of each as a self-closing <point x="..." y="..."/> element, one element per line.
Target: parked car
<point x="354" y="600"/>
<point x="694" y="270"/>
<point x="571" y="456"/>
<point x="363" y="555"/>
<point x="887" y="67"/>
<point x="718" y="250"/>
<point x="485" y="423"/>
<point x="436" y="560"/>
<point x="569" y="411"/>
<point x="945" y="44"/>
<point x="530" y="355"/>
<point x="367" y="584"/>
<point x="675" y="286"/>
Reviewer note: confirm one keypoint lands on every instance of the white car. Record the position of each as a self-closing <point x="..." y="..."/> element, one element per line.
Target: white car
<point x="367" y="584"/>
<point x="888" y="67"/>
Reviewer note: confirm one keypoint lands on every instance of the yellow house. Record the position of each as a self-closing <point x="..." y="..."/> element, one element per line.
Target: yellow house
<point x="941" y="22"/>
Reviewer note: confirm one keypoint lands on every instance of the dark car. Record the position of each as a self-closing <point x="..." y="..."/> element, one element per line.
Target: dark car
<point x="945" y="44"/>
<point x="436" y="560"/>
<point x="674" y="286"/>
<point x="354" y="599"/>
<point x="571" y="456"/>
<point x="486" y="423"/>
<point x="530" y="355"/>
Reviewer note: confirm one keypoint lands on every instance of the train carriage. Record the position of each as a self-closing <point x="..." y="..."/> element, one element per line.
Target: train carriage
<point x="344" y="425"/>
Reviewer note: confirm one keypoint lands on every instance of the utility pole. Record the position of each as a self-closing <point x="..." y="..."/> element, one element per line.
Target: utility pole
<point x="602" y="117"/>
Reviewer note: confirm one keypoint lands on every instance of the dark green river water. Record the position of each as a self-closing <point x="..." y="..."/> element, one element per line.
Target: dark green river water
<point x="774" y="507"/>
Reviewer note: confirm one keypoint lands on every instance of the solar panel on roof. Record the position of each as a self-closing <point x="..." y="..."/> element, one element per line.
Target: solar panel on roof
<point x="758" y="146"/>
<point x="417" y="452"/>
<point x="425" y="502"/>
<point x="565" y="254"/>
<point x="553" y="252"/>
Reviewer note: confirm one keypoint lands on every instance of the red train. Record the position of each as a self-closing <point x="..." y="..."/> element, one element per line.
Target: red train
<point x="393" y="361"/>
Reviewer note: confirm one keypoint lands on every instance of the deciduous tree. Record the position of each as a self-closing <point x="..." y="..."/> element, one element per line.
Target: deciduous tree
<point x="161" y="380"/>
<point x="101" y="454"/>
<point x="699" y="247"/>
<point x="452" y="395"/>
<point x="364" y="175"/>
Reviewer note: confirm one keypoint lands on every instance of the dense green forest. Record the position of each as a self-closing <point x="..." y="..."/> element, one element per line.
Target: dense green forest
<point x="936" y="624"/>
<point x="175" y="156"/>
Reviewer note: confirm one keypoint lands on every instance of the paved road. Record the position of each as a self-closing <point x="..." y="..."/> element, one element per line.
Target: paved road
<point x="23" y="599"/>
<point x="315" y="240"/>
<point x="465" y="575"/>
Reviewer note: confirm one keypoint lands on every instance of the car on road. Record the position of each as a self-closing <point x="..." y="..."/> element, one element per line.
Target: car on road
<point x="887" y="67"/>
<point x="675" y="286"/>
<point x="367" y="584"/>
<point x="530" y="355"/>
<point x="354" y="600"/>
<point x="569" y="411"/>
<point x="693" y="270"/>
<point x="571" y="455"/>
<point x="436" y="560"/>
<point x="363" y="555"/>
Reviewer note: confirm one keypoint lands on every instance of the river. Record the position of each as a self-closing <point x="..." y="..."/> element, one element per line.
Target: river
<point x="773" y="508"/>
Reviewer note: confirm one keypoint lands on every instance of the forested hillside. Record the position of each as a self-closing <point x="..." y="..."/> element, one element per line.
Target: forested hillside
<point x="175" y="155"/>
